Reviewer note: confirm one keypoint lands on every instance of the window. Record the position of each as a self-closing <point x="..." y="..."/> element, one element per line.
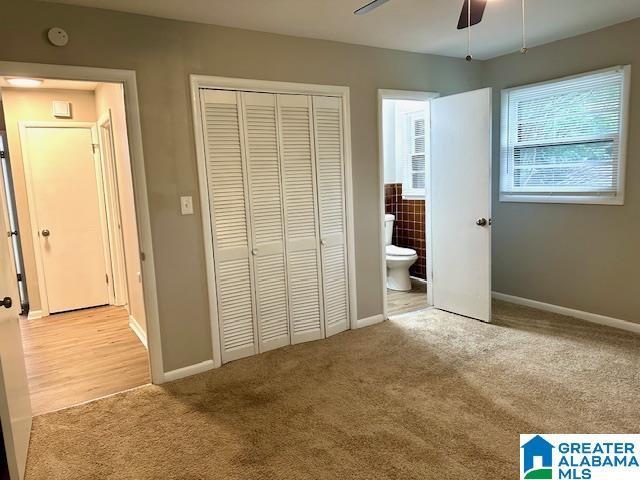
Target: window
<point x="564" y="141"/>
<point x="416" y="161"/>
<point x="414" y="153"/>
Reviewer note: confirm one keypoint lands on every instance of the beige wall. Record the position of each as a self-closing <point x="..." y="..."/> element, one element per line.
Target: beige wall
<point x="164" y="53"/>
<point x="585" y="257"/>
<point x="19" y="105"/>
<point x="109" y="97"/>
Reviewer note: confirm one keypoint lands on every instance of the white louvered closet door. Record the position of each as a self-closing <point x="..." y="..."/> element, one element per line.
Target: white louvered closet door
<point x="301" y="221"/>
<point x="328" y="129"/>
<point x="267" y="222"/>
<point x="227" y="184"/>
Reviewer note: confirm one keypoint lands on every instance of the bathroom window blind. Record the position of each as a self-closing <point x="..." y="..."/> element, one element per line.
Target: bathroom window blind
<point x="564" y="140"/>
<point x="416" y="162"/>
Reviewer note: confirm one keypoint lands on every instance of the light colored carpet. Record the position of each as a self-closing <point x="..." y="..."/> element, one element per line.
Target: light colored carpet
<point x="425" y="396"/>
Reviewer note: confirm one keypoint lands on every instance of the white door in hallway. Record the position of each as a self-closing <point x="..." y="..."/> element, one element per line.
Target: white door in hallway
<point x="461" y="203"/>
<point x="68" y="211"/>
<point x="15" y="406"/>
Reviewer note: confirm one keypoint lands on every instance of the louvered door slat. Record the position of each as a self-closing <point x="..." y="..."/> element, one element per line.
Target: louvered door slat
<point x="266" y="219"/>
<point x="327" y="113"/>
<point x="226" y="185"/>
<point x="303" y="254"/>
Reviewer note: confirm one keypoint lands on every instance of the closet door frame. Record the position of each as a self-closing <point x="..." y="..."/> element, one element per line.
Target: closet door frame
<point x="199" y="82"/>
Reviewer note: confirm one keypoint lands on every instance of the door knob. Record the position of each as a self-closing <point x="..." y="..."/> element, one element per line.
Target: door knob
<point x="6" y="302"/>
<point x="481" y="222"/>
<point x="46" y="233"/>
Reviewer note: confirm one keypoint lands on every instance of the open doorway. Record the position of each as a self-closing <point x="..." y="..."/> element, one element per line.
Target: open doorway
<point x="404" y="145"/>
<point x="435" y="225"/>
<point x="68" y="186"/>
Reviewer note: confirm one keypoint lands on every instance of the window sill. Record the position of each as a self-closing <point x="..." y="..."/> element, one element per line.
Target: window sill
<point x="574" y="199"/>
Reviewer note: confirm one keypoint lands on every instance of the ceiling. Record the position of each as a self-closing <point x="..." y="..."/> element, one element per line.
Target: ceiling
<point x="59" y="84"/>
<point x="425" y="26"/>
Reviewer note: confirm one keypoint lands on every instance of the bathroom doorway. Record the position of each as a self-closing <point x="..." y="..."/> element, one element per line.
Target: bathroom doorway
<point x="435" y="215"/>
<point x="404" y="147"/>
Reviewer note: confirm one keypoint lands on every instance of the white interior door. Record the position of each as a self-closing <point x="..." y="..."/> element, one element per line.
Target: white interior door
<point x="227" y="184"/>
<point x="68" y="216"/>
<point x="267" y="222"/>
<point x="15" y="406"/>
<point x="329" y="144"/>
<point x="118" y="286"/>
<point x="301" y="219"/>
<point x="461" y="203"/>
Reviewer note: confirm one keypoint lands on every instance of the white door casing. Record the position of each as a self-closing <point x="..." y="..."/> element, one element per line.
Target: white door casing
<point x="301" y="219"/>
<point x="65" y="200"/>
<point x="460" y="197"/>
<point x="223" y="133"/>
<point x="267" y="219"/>
<point x="329" y="145"/>
<point x="15" y="405"/>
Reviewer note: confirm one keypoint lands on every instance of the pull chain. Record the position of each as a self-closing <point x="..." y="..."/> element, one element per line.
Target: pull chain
<point x="524" y="48"/>
<point x="469" y="57"/>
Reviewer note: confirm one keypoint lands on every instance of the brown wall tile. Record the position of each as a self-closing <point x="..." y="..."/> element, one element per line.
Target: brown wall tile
<point x="409" y="229"/>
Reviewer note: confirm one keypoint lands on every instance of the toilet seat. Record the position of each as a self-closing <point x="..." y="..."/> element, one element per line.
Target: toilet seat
<point x="392" y="250"/>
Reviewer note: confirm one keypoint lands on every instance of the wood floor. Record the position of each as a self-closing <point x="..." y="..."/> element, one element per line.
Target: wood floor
<point x="80" y="356"/>
<point x="405" y="302"/>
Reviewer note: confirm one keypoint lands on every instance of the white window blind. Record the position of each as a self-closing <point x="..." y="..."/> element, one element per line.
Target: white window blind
<point x="564" y="140"/>
<point x="416" y="161"/>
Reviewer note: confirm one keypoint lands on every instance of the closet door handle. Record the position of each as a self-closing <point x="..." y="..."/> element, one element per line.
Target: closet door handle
<point x="254" y="251"/>
<point x="323" y="243"/>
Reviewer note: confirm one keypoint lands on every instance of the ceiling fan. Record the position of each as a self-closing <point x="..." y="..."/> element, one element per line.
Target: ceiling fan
<point x="475" y="12"/>
<point x="470" y="15"/>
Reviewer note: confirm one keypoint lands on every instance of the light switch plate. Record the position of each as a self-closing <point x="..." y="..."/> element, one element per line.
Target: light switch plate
<point x="186" y="205"/>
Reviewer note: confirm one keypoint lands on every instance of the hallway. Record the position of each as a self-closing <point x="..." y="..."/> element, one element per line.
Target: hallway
<point x="82" y="355"/>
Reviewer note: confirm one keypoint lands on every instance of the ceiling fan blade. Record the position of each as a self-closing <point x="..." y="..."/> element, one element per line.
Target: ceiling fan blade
<point x="477" y="10"/>
<point x="370" y="6"/>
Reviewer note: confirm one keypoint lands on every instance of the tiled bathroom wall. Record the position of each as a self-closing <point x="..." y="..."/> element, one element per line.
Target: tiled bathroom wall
<point x="409" y="228"/>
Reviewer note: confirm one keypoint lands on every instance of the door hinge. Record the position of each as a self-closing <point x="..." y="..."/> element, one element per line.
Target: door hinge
<point x="95" y="147"/>
<point x="3" y="154"/>
<point x="19" y="275"/>
<point x="106" y="276"/>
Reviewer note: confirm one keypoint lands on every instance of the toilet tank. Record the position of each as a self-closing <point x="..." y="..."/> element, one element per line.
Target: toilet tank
<point x="388" y="228"/>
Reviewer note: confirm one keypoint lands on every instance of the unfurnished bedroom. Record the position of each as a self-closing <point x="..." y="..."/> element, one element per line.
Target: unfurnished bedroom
<point x="390" y="239"/>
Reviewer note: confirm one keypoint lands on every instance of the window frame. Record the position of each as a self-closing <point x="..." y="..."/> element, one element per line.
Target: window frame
<point x="408" y="191"/>
<point x="557" y="195"/>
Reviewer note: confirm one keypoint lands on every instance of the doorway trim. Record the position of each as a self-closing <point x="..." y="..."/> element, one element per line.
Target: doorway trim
<point x="198" y="82"/>
<point x="128" y="79"/>
<point x="386" y="94"/>
<point x="24" y="126"/>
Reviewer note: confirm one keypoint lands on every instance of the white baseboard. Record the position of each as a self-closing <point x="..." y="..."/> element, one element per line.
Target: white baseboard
<point x="570" y="312"/>
<point x="365" y="322"/>
<point x="188" y="371"/>
<point x="34" y="315"/>
<point x="137" y="329"/>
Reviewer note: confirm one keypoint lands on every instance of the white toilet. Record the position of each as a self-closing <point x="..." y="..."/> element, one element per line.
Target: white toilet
<point x="398" y="260"/>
